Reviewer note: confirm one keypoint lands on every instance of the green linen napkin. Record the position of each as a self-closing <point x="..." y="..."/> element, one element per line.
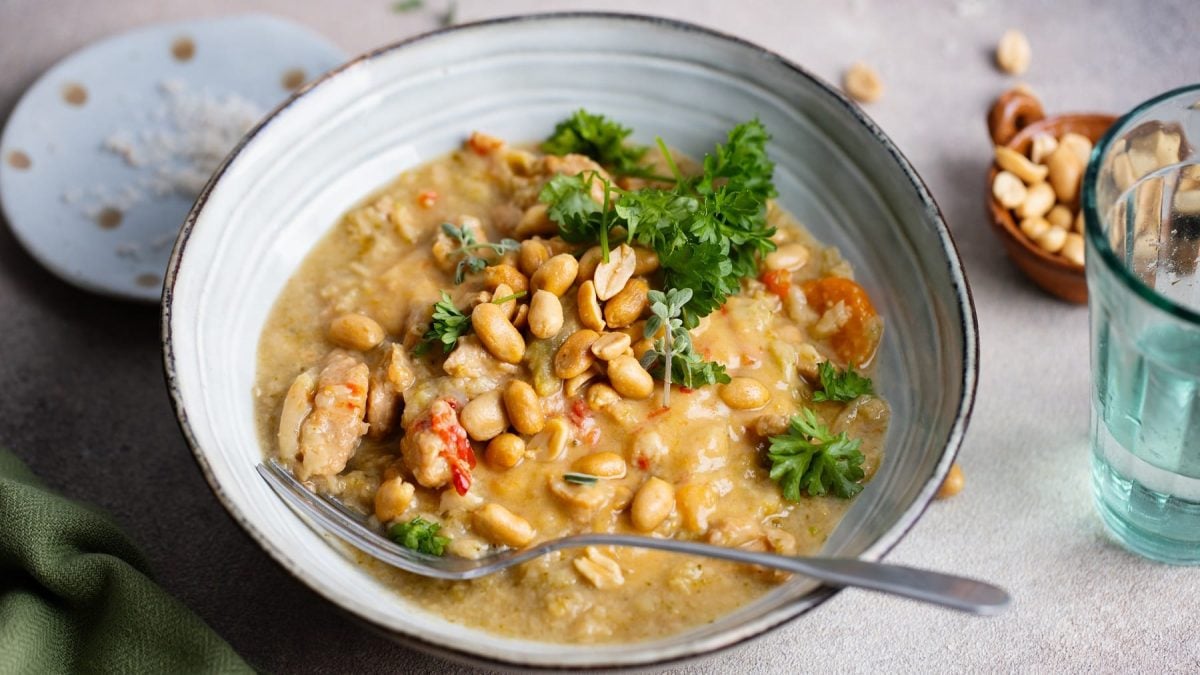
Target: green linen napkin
<point x="75" y="595"/>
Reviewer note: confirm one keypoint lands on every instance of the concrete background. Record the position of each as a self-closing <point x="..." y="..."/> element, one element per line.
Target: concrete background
<point x="82" y="397"/>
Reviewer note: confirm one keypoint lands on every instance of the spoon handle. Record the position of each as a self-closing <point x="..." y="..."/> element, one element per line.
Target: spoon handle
<point x="955" y="592"/>
<point x="947" y="590"/>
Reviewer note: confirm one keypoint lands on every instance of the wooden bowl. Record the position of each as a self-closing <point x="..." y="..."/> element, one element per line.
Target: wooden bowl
<point x="1015" y="118"/>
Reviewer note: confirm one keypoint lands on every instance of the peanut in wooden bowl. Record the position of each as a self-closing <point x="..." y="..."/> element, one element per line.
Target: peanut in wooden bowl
<point x="1015" y="119"/>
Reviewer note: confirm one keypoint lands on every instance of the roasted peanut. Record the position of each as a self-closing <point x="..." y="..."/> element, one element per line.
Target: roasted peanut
<point x="355" y="331"/>
<point x="556" y="274"/>
<point x="494" y="275"/>
<point x="534" y="221"/>
<point x="610" y="345"/>
<point x="641" y="347"/>
<point x="629" y="378"/>
<point x="654" y="501"/>
<point x="645" y="261"/>
<point x="1019" y="165"/>
<point x="602" y="571"/>
<point x="551" y="442"/>
<point x="1065" y="172"/>
<point x="588" y="306"/>
<point x="1078" y="144"/>
<point x="483" y="416"/>
<point x="695" y="503"/>
<point x="509" y="306"/>
<point x="610" y="277"/>
<point x="1041" y="146"/>
<point x="392" y="499"/>
<point x="601" y="464"/>
<point x="1038" y="201"/>
<point x="1052" y="240"/>
<point x="1008" y="190"/>
<point x="862" y="83"/>
<point x="501" y="526"/>
<point x="496" y="334"/>
<point x="522" y="316"/>
<point x="627" y="306"/>
<point x="572" y="386"/>
<point x="575" y="356"/>
<point x="545" y="314"/>
<point x="505" y="451"/>
<point x="600" y="396"/>
<point x="1034" y="227"/>
<point x="588" y="262"/>
<point x="744" y="393"/>
<point x="1060" y="216"/>
<point x="953" y="483"/>
<point x="1072" y="248"/>
<point x="787" y="257"/>
<point x="1013" y="53"/>
<point x="524" y="407"/>
<point x="533" y="253"/>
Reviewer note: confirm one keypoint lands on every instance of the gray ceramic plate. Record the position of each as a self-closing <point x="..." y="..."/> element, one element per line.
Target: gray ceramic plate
<point x="104" y="154"/>
<point x="401" y="105"/>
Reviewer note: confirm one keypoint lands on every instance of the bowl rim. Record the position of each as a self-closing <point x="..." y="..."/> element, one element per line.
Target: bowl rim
<point x="1002" y="218"/>
<point x="904" y="524"/>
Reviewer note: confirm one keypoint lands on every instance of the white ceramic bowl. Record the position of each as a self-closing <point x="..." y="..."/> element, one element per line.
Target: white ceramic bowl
<point x="356" y="128"/>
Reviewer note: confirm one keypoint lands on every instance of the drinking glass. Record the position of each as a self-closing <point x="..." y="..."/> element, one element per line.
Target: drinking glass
<point x="1141" y="203"/>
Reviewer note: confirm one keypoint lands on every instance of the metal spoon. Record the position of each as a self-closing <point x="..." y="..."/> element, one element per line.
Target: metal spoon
<point x="961" y="593"/>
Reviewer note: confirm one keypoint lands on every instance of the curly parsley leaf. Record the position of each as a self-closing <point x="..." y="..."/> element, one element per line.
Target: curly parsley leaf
<point x="570" y="204"/>
<point x="709" y="231"/>
<point x="468" y="244"/>
<point x="841" y="386"/>
<point x="420" y="535"/>
<point x="600" y="138"/>
<point x="809" y="458"/>
<point x="446" y="326"/>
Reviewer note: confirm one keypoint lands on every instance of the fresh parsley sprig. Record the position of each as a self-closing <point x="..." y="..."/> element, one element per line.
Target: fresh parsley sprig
<point x="600" y="138"/>
<point x="673" y="357"/>
<point x="810" y="459"/>
<point x="709" y="231"/>
<point x="581" y="219"/>
<point x="843" y="386"/>
<point x="420" y="535"/>
<point x="446" y="326"/>
<point x="468" y="244"/>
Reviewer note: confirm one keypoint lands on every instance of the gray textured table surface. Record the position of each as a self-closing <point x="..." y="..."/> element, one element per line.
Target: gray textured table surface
<point x="82" y="397"/>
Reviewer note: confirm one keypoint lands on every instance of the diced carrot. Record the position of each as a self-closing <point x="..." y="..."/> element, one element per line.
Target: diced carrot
<point x="777" y="281"/>
<point x="427" y="198"/>
<point x="858" y="339"/>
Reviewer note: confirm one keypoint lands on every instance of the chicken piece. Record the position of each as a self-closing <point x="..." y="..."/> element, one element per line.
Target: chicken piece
<point x="393" y="375"/>
<point x="296" y="406"/>
<point x="329" y="435"/>
<point x="436" y="449"/>
<point x="471" y="361"/>
<point x="737" y="533"/>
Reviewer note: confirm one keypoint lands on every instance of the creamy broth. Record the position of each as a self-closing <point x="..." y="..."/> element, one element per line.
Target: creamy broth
<point x="388" y="260"/>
